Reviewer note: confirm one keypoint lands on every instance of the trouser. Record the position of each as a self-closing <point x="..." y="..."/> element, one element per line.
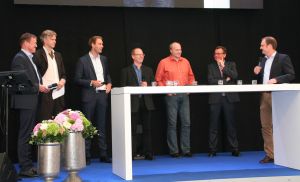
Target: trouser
<point x="266" y="123"/>
<point x="178" y="104"/>
<point x="95" y="111"/>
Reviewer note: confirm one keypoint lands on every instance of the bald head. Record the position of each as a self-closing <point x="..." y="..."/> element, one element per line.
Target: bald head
<point x="175" y="50"/>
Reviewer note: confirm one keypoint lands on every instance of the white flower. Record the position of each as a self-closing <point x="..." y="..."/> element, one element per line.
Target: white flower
<point x="44" y="126"/>
<point x="67" y="125"/>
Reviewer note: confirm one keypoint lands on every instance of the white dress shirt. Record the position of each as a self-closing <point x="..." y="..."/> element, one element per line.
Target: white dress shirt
<point x="51" y="75"/>
<point x="267" y="68"/>
<point x="98" y="70"/>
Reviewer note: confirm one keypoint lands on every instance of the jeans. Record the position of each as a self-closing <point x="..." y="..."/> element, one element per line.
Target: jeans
<point x="178" y="105"/>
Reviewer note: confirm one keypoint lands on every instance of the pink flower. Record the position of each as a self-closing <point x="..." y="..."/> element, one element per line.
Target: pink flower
<point x="74" y="115"/>
<point x="77" y="126"/>
<point x="36" y="129"/>
<point x="60" y="118"/>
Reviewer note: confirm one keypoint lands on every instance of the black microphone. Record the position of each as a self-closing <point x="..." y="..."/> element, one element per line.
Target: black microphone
<point x="52" y="86"/>
<point x="260" y="61"/>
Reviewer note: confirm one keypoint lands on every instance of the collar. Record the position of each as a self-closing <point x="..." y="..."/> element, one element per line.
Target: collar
<point x="46" y="50"/>
<point x="172" y="58"/>
<point x="30" y="55"/>
<point x="92" y="56"/>
<point x="272" y="56"/>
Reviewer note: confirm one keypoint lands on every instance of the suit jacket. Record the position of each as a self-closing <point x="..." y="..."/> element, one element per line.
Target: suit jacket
<point x="282" y="69"/>
<point x="27" y="100"/>
<point x="40" y="60"/>
<point x="85" y="72"/>
<point x="214" y="75"/>
<point x="129" y="78"/>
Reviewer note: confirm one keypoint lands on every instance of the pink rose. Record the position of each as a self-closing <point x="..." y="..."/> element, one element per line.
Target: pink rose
<point x="74" y="115"/>
<point x="36" y="129"/>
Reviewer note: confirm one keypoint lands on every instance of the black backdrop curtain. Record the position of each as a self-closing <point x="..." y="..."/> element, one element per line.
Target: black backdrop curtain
<point x="198" y="30"/>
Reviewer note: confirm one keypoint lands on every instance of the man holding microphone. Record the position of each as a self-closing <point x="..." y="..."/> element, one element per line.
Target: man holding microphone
<point x="274" y="68"/>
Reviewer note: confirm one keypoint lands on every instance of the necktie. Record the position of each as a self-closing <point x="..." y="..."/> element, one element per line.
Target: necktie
<point x="51" y="54"/>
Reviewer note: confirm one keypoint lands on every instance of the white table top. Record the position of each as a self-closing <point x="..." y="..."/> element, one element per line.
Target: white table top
<point x="205" y="89"/>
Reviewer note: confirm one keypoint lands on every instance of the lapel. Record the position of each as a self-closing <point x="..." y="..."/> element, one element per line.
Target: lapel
<point x="131" y="69"/>
<point x="44" y="56"/>
<point x="30" y="66"/>
<point x="217" y="70"/>
<point x="89" y="62"/>
<point x="275" y="61"/>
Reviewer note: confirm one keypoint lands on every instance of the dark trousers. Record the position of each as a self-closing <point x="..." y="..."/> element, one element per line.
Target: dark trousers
<point x="95" y="111"/>
<point x="49" y="108"/>
<point x="215" y="113"/>
<point x="143" y="117"/>
<point x="27" y="123"/>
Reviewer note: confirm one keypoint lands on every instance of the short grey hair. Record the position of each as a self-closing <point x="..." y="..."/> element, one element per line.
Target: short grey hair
<point x="47" y="33"/>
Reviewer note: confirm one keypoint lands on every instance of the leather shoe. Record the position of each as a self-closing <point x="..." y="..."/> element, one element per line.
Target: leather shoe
<point x="188" y="154"/>
<point x="149" y="157"/>
<point x="175" y="155"/>
<point x="235" y="153"/>
<point x="88" y="160"/>
<point x="138" y="157"/>
<point x="266" y="159"/>
<point x="30" y="173"/>
<point x="105" y="159"/>
<point x="212" y="154"/>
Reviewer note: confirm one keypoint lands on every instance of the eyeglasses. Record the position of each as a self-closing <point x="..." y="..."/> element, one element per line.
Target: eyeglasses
<point x="139" y="54"/>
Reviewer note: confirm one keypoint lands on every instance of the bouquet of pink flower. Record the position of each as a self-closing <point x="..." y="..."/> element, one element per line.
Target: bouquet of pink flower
<point x="48" y="131"/>
<point x="75" y="121"/>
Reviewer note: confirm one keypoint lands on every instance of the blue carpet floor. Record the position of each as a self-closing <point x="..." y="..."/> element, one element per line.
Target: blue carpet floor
<point x="165" y="168"/>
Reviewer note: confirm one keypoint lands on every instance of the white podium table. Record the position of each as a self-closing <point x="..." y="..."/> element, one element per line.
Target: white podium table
<point x="286" y="120"/>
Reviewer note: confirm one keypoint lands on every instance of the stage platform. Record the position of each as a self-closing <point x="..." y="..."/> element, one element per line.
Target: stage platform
<point x="222" y="168"/>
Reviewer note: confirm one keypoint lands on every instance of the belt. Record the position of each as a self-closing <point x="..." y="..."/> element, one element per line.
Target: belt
<point x="100" y="91"/>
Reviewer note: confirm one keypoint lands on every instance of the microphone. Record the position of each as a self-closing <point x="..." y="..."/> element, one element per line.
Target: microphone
<point x="52" y="86"/>
<point x="260" y="61"/>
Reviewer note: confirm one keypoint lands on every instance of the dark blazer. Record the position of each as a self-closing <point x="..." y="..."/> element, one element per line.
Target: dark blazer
<point x="85" y="72"/>
<point x="214" y="75"/>
<point x="282" y="69"/>
<point x="40" y="59"/>
<point x="129" y="78"/>
<point x="30" y="99"/>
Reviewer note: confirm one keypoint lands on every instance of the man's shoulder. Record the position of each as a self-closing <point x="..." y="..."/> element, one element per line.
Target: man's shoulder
<point x="282" y="56"/>
<point x="20" y="55"/>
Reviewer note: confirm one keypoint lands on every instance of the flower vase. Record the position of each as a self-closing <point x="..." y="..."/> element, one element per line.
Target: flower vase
<point x="74" y="155"/>
<point x="49" y="160"/>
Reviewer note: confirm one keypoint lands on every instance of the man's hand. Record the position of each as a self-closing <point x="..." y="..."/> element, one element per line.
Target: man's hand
<point x="96" y="83"/>
<point x="43" y="89"/>
<point x="108" y="88"/>
<point x="60" y="84"/>
<point x="272" y="81"/>
<point x="257" y="70"/>
<point x="144" y="84"/>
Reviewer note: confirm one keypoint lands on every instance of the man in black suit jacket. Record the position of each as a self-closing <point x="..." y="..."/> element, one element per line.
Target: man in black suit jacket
<point x="92" y="75"/>
<point x="274" y="68"/>
<point x="224" y="71"/>
<point x="26" y="103"/>
<point x="141" y="105"/>
<point x="51" y="67"/>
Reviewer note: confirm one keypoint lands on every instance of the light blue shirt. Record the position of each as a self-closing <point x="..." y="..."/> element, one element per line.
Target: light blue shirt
<point x="267" y="68"/>
<point x="30" y="56"/>
<point x="138" y="73"/>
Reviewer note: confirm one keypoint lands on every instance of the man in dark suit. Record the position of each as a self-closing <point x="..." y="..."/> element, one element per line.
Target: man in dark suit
<point x="51" y="67"/>
<point x="224" y="71"/>
<point x="92" y="75"/>
<point x="274" y="68"/>
<point x="138" y="74"/>
<point x="26" y="103"/>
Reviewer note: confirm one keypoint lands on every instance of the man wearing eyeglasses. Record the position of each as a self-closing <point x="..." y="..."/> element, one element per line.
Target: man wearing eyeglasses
<point x="221" y="71"/>
<point x="138" y="74"/>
